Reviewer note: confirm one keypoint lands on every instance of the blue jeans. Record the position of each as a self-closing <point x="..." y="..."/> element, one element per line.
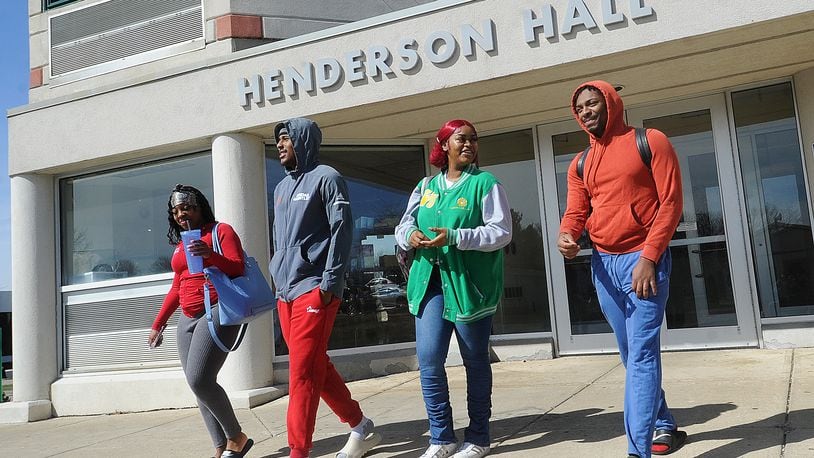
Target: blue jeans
<point x="433" y="334"/>
<point x="636" y="323"/>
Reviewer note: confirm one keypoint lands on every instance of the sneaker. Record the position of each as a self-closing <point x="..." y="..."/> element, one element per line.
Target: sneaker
<point x="360" y="441"/>
<point x="440" y="450"/>
<point x="470" y="450"/>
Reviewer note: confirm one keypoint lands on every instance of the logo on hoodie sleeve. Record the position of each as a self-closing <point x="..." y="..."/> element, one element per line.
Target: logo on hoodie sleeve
<point x="340" y="200"/>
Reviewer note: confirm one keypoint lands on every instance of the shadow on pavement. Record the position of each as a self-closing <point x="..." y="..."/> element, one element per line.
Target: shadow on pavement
<point x="536" y="432"/>
<point x="800" y="421"/>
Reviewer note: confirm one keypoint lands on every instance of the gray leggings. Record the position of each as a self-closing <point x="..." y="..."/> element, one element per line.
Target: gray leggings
<point x="202" y="360"/>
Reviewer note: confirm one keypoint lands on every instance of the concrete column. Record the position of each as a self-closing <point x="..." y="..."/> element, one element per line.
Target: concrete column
<point x="804" y="96"/>
<point x="239" y="179"/>
<point x="33" y="296"/>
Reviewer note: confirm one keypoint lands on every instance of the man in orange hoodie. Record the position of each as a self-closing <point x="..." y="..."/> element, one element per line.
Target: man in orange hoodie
<point x="630" y="209"/>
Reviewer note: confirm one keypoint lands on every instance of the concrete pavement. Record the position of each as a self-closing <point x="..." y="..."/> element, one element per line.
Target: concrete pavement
<point x="733" y="403"/>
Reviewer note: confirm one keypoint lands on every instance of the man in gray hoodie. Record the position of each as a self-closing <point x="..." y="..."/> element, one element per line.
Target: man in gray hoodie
<point x="313" y="230"/>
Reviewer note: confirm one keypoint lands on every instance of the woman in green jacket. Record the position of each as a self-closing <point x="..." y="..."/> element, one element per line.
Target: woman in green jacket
<point x="458" y="222"/>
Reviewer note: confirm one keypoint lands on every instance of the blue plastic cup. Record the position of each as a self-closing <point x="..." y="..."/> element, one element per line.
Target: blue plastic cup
<point x="194" y="263"/>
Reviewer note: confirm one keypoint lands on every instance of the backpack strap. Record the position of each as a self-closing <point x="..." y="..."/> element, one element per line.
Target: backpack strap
<point x="644" y="146"/>
<point x="641" y="144"/>
<point x="424" y="184"/>
<point x="581" y="161"/>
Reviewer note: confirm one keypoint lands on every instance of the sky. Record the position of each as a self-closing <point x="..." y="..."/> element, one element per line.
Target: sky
<point x="14" y="75"/>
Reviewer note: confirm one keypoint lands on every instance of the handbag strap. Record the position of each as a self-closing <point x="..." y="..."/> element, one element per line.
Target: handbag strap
<point x="215" y="240"/>
<point x="208" y="305"/>
<point x="240" y="335"/>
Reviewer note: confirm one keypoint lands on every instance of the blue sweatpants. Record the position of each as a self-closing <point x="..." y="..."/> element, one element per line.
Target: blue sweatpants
<point x="636" y="323"/>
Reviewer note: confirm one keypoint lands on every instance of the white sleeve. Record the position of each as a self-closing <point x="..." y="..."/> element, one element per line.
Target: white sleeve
<point x="496" y="231"/>
<point x="408" y="223"/>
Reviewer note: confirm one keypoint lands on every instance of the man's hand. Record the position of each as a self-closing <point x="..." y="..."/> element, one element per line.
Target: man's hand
<point x="644" y="278"/>
<point x="325" y="297"/>
<point x="416" y="238"/>
<point x="567" y="246"/>
<point x="439" y="240"/>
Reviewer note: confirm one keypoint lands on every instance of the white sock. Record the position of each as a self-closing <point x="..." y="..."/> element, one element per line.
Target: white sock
<point x="361" y="430"/>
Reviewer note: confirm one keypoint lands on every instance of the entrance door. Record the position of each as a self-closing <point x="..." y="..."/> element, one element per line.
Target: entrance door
<point x="710" y="302"/>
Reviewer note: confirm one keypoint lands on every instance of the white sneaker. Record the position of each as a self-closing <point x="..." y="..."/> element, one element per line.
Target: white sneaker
<point x="440" y="451"/>
<point x="470" y="450"/>
<point x="360" y="442"/>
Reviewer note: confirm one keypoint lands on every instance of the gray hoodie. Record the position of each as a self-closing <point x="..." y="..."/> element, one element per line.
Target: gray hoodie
<point x="313" y="227"/>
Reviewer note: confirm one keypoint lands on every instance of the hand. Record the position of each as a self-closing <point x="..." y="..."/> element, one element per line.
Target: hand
<point x="644" y="278"/>
<point x="416" y="238"/>
<point x="155" y="339"/>
<point x="200" y="248"/>
<point x="567" y="246"/>
<point x="439" y="240"/>
<point x="326" y="297"/>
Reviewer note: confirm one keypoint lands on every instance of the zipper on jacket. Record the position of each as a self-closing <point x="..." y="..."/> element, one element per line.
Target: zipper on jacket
<point x="288" y="242"/>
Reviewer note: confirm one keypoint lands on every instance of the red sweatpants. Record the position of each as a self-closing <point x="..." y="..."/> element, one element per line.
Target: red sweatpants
<point x="306" y="326"/>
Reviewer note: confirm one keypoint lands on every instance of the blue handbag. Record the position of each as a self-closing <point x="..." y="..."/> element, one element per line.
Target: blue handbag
<point x="240" y="299"/>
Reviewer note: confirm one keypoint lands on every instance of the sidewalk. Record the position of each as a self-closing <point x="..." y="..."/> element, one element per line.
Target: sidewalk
<point x="733" y="403"/>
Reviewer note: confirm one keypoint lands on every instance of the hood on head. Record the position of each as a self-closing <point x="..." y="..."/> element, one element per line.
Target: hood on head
<point x="613" y="103"/>
<point x="306" y="137"/>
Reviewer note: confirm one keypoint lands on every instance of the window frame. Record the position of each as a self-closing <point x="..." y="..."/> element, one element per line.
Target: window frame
<point x="51" y="4"/>
<point x="102" y="169"/>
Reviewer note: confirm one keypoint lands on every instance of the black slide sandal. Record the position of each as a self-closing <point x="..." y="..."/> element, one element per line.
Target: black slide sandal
<point x="233" y="454"/>
<point x="666" y="441"/>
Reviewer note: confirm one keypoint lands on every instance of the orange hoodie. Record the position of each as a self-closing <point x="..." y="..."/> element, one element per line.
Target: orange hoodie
<point x="628" y="207"/>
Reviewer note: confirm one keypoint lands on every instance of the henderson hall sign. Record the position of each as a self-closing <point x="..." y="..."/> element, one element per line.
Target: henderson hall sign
<point x="439" y="48"/>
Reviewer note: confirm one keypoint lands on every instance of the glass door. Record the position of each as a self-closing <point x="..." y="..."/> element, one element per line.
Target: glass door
<point x="710" y="301"/>
<point x="579" y="323"/>
<point x="777" y="199"/>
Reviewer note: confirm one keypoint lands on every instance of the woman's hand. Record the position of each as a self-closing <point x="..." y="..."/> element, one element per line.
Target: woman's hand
<point x="200" y="248"/>
<point x="439" y="240"/>
<point x="644" y="278"/>
<point x="155" y="339"/>
<point x="416" y="238"/>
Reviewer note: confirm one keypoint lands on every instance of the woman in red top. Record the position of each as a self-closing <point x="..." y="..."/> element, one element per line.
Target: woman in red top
<point x="200" y="357"/>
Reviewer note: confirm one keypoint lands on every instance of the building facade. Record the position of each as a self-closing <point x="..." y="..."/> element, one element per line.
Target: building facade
<point x="129" y="98"/>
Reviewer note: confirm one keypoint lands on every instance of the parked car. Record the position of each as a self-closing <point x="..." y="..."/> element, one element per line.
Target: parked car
<point x="390" y="297"/>
<point x="379" y="282"/>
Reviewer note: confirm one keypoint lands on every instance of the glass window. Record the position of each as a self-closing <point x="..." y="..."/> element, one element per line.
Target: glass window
<point x="524" y="306"/>
<point x="380" y="180"/>
<point x="114" y="224"/>
<point x="48" y="4"/>
<point x="776" y="199"/>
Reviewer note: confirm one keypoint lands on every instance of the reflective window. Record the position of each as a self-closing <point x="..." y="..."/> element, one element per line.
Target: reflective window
<point x="524" y="306"/>
<point x="114" y="224"/>
<point x="380" y="180"/>
<point x="48" y="4"/>
<point x="776" y="199"/>
<point x="700" y="284"/>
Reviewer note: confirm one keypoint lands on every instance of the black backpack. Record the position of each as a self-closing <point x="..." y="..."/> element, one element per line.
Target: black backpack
<point x="641" y="143"/>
